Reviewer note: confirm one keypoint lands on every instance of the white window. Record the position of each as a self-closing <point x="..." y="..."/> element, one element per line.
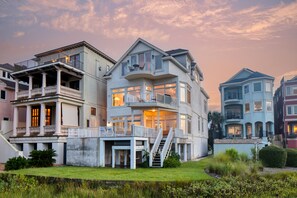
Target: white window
<point x="268" y="105"/>
<point x="258" y="86"/>
<point x="185" y="93"/>
<point x="268" y="87"/>
<point x="291" y="91"/>
<point x="292" y="110"/>
<point x="258" y="106"/>
<point x="186" y="123"/>
<point x="3" y="94"/>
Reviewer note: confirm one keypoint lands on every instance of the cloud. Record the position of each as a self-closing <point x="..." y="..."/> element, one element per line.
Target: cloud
<point x="18" y="34"/>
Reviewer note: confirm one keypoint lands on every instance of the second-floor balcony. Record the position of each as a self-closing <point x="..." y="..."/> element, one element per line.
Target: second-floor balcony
<point x="159" y="100"/>
<point x="49" y="90"/>
<point x="230" y="117"/>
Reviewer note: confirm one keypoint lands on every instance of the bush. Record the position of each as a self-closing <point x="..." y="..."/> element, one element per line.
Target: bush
<point x="16" y="163"/>
<point x="172" y="161"/>
<point x="43" y="158"/>
<point x="272" y="156"/>
<point x="244" y="157"/>
<point x="233" y="153"/>
<point x="222" y="157"/>
<point x="291" y="157"/>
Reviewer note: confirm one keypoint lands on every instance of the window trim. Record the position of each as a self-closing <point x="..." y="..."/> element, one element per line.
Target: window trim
<point x="256" y="83"/>
<point x="293" y="113"/>
<point x="255" y="106"/>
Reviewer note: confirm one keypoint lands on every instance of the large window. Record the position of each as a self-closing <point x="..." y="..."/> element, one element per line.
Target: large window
<point x="35" y="116"/>
<point x="268" y="105"/>
<point x="186" y="123"/>
<point x="133" y="94"/>
<point x="185" y="93"/>
<point x="258" y="86"/>
<point x="258" y="106"/>
<point x="75" y="60"/>
<point x="48" y="115"/>
<point x="292" y="90"/>
<point x="158" y="62"/>
<point x="118" y="97"/>
<point x="292" y="110"/>
<point x="268" y="87"/>
<point x="234" y="130"/>
<point x="3" y="94"/>
<point x="168" y="90"/>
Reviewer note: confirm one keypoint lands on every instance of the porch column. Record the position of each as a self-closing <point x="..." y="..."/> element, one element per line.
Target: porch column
<point x="253" y="125"/>
<point x="244" y="131"/>
<point x="102" y="153"/>
<point x="58" y="81"/>
<point x="125" y="157"/>
<point x="264" y="129"/>
<point x="15" y="120"/>
<point x="28" y="120"/>
<point x="42" y="119"/>
<point x="272" y="128"/>
<point x="158" y="119"/>
<point x="30" y="85"/>
<point x="118" y="157"/>
<point x="179" y="149"/>
<point x="58" y="118"/>
<point x="113" y="158"/>
<point x="133" y="154"/>
<point x="43" y="83"/>
<point x="16" y="89"/>
<point x="185" y="152"/>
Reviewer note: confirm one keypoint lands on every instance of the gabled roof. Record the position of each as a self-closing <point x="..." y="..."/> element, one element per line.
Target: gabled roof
<point x="11" y="84"/>
<point x="75" y="45"/>
<point x="7" y="66"/>
<point x="177" y="51"/>
<point x="246" y="74"/>
<point x="139" y="40"/>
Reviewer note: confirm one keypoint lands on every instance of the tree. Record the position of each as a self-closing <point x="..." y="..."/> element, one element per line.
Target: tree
<point x="215" y="120"/>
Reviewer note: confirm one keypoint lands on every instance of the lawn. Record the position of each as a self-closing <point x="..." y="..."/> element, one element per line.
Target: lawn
<point x="188" y="171"/>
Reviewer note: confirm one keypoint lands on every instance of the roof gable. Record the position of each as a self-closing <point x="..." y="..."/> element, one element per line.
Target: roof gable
<point x="138" y="42"/>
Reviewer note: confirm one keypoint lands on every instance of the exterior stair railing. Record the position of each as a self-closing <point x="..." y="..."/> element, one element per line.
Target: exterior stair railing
<point x="156" y="146"/>
<point x="167" y="146"/>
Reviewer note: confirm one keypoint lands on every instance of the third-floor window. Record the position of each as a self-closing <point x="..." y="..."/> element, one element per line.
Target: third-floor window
<point x="185" y="93"/>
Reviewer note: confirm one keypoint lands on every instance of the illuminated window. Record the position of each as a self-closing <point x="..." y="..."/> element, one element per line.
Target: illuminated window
<point x="165" y="89"/>
<point x="258" y="106"/>
<point x="133" y="94"/>
<point x="247" y="107"/>
<point x="185" y="93"/>
<point x="118" y="97"/>
<point x="48" y="115"/>
<point x="234" y="130"/>
<point x="35" y="116"/>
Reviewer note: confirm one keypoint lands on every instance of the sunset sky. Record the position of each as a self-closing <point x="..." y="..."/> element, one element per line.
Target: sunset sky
<point x="223" y="36"/>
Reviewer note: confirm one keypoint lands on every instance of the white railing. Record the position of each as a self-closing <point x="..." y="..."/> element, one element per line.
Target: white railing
<point x="36" y="91"/>
<point x="161" y="98"/>
<point x="23" y="94"/>
<point x="70" y="92"/>
<point x="21" y="129"/>
<point x="156" y="146"/>
<point x="49" y="128"/>
<point x="179" y="133"/>
<point x="35" y="129"/>
<point x="137" y="131"/>
<point x="50" y="89"/>
<point x="166" y="147"/>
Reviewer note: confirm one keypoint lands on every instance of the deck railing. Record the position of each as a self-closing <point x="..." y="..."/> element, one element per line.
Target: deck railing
<point x="160" y="98"/>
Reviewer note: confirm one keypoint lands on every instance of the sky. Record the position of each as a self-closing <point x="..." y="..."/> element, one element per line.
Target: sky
<point x="223" y="36"/>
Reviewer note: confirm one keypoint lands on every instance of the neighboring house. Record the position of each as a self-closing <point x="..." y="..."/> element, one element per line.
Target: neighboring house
<point x="247" y="106"/>
<point x="66" y="89"/>
<point x="285" y="114"/>
<point x="7" y="85"/>
<point x="155" y="100"/>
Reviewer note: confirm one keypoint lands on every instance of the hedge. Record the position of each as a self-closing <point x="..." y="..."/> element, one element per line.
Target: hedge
<point x="291" y="157"/>
<point x="272" y="156"/>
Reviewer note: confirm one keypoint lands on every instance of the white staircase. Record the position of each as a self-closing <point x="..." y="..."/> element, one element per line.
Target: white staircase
<point x="161" y="149"/>
<point x="7" y="150"/>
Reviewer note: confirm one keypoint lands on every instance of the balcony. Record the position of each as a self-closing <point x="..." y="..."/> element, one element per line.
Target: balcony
<point x="162" y="101"/>
<point x="233" y="117"/>
<point x="49" y="130"/>
<point x="50" y="90"/>
<point x="233" y="96"/>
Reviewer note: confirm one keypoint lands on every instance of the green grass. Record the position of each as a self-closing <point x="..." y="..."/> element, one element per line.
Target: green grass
<point x="188" y="171"/>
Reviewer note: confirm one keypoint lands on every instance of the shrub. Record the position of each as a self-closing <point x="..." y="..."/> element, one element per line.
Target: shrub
<point x="172" y="161"/>
<point x="222" y="157"/>
<point x="43" y="158"/>
<point x="291" y="157"/>
<point x="243" y="157"/>
<point x="16" y="163"/>
<point x="233" y="153"/>
<point x="272" y="156"/>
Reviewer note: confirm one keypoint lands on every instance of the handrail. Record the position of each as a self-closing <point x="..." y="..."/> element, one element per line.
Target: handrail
<point x="166" y="146"/>
<point x="156" y="146"/>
